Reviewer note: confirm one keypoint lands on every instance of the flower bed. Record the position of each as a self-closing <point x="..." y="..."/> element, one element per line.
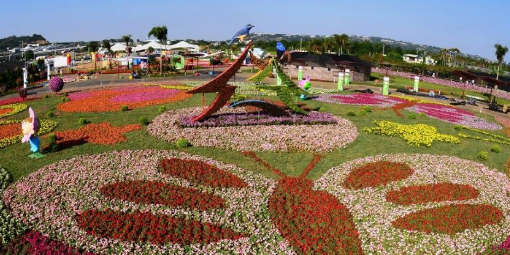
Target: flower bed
<point x="492" y="137"/>
<point x="153" y="192"/>
<point x="10" y="130"/>
<point x="450" y="219"/>
<point x="415" y="135"/>
<point x="64" y="200"/>
<point x="477" y="223"/>
<point x="200" y="173"/>
<point x="255" y="138"/>
<point x="34" y="243"/>
<point x="100" y="133"/>
<point x="362" y="99"/>
<point x="376" y="174"/>
<point x="453" y="115"/>
<point x="16" y="100"/>
<point x="254" y="118"/>
<point x="108" y="100"/>
<point x="438" y="192"/>
<point x="11" y="109"/>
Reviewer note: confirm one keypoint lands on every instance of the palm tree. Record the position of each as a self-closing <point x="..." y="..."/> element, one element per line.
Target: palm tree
<point x="161" y="34"/>
<point x="93" y="47"/>
<point x="500" y="54"/>
<point x="315" y="45"/>
<point x="327" y="44"/>
<point x="341" y="41"/>
<point x="150" y="50"/>
<point x="127" y="39"/>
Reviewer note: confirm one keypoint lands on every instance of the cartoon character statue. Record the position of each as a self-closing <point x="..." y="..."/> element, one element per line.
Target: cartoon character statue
<point x="305" y="85"/>
<point x="30" y="126"/>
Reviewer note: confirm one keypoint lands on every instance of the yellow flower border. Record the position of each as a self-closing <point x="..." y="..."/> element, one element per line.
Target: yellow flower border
<point x="15" y="109"/>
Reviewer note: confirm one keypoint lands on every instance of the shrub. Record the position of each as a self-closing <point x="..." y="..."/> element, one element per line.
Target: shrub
<point x="162" y="109"/>
<point x="362" y="112"/>
<point x="367" y="109"/>
<point x="482" y="155"/>
<point x="46" y="96"/>
<point x="124" y="108"/>
<point x="412" y="116"/>
<point x="458" y="128"/>
<point x="351" y="113"/>
<point x="423" y="115"/>
<point x="182" y="143"/>
<point x="66" y="94"/>
<point x="143" y="121"/>
<point x="65" y="99"/>
<point x="56" y="84"/>
<point x="50" y="114"/>
<point x="53" y="146"/>
<point x="495" y="149"/>
<point x="83" y="121"/>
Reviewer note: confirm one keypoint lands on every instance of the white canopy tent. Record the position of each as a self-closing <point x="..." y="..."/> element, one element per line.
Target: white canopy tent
<point x="118" y="47"/>
<point x="155" y="45"/>
<point x="184" y="45"/>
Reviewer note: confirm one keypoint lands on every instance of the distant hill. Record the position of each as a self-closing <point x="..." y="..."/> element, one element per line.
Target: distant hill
<point x="372" y="39"/>
<point x="15" y="41"/>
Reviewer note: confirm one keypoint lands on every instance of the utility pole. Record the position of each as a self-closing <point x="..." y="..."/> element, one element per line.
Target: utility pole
<point x="300" y="43"/>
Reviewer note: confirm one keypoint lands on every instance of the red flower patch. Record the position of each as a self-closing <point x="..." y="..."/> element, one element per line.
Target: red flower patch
<point x="153" y="192"/>
<point x="200" y="173"/>
<point x="101" y="133"/>
<point x="376" y="174"/>
<point x="432" y="193"/>
<point x="450" y="219"/>
<point x="314" y="222"/>
<point x="150" y="228"/>
<point x="10" y="130"/>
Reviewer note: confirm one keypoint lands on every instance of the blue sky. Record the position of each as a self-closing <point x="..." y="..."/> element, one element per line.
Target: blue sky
<point x="472" y="26"/>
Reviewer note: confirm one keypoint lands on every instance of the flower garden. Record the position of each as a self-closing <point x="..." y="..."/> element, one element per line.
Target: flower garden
<point x="130" y="169"/>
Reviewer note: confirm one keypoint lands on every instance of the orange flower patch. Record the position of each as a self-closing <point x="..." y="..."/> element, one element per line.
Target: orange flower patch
<point x="450" y="219"/>
<point x="102" y="133"/>
<point x="10" y="130"/>
<point x="398" y="107"/>
<point x="376" y="174"/>
<point x="5" y="111"/>
<point x="432" y="193"/>
<point x="111" y="100"/>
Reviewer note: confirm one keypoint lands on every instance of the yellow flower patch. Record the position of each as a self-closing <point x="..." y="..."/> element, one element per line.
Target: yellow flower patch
<point x="415" y="135"/>
<point x="46" y="127"/>
<point x="417" y="100"/>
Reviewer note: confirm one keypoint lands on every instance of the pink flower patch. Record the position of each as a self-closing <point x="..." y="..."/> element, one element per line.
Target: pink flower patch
<point x="362" y="99"/>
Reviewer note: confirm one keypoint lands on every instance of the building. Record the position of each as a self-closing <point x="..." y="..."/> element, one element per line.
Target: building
<point x="416" y="59"/>
<point x="325" y="67"/>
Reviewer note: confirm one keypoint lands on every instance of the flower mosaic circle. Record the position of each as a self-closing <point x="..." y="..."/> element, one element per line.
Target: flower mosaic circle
<point x="362" y="99"/>
<point x="180" y="203"/>
<point x="258" y="134"/>
<point x="110" y="100"/>
<point x="446" y="205"/>
<point x="453" y="115"/>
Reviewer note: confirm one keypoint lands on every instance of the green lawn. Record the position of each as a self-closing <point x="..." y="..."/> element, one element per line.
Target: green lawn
<point x="14" y="157"/>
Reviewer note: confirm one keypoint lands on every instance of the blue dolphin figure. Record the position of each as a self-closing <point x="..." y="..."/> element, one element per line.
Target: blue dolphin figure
<point x="241" y="34"/>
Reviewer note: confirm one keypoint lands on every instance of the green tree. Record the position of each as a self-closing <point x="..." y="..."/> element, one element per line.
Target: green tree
<point x="341" y="41"/>
<point x="29" y="55"/>
<point x="127" y="39"/>
<point x="161" y="34"/>
<point x="150" y="50"/>
<point x="93" y="46"/>
<point x="106" y="45"/>
<point x="500" y="54"/>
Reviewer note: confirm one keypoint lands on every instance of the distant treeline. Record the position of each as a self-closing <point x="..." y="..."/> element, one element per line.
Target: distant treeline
<point x="15" y="41"/>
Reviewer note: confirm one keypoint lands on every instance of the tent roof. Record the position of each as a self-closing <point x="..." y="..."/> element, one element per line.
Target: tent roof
<point x="184" y="45"/>
<point x="118" y="47"/>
